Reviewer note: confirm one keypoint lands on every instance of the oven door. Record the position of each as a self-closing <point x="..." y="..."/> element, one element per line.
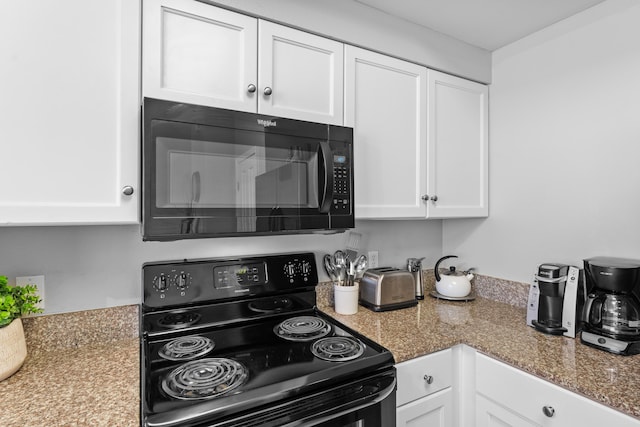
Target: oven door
<point x="209" y="172"/>
<point x="364" y="402"/>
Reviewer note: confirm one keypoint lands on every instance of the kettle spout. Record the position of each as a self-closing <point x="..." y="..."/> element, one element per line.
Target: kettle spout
<point x="469" y="274"/>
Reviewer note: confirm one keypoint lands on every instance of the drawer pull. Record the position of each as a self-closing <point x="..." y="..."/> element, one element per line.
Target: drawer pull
<point x="428" y="379"/>
<point x="548" y="411"/>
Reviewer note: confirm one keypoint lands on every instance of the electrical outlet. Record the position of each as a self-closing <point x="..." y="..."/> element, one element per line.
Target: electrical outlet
<point x="33" y="280"/>
<point x="372" y="259"/>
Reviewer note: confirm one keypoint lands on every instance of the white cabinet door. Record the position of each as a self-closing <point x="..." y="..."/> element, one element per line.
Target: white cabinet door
<point x="199" y="54"/>
<point x="435" y="410"/>
<point x="69" y="112"/>
<point x="490" y="414"/>
<point x="533" y="401"/>
<point x="386" y="104"/>
<point x="300" y="75"/>
<point x="458" y="147"/>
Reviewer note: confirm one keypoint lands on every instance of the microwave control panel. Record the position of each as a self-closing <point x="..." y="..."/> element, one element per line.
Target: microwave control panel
<point x="341" y="185"/>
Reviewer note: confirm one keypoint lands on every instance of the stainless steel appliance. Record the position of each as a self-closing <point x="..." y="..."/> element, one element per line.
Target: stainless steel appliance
<point x="239" y="342"/>
<point x="612" y="312"/>
<point x="387" y="288"/>
<point x="414" y="265"/>
<point x="556" y="300"/>
<point x="209" y="172"/>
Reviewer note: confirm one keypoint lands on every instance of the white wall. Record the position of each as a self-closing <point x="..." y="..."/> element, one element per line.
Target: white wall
<point x="363" y="26"/>
<point x="564" y="148"/>
<point x="88" y="267"/>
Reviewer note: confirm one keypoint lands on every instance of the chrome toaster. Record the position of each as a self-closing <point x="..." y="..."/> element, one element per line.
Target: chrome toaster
<point x="387" y="288"/>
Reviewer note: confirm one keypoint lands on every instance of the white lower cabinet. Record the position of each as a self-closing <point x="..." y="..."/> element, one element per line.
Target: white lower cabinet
<point x="435" y="410"/>
<point x="425" y="395"/>
<point x="506" y="396"/>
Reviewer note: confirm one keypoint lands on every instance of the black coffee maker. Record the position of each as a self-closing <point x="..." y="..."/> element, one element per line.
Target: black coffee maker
<point x="612" y="312"/>
<point x="551" y="279"/>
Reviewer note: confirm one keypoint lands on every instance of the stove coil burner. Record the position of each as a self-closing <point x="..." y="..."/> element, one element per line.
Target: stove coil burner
<point x="179" y="319"/>
<point x="337" y="349"/>
<point x="302" y="328"/>
<point x="204" y="379"/>
<point x="273" y="305"/>
<point x="186" y="348"/>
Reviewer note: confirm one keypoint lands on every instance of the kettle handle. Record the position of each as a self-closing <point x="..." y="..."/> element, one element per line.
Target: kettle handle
<point x="438" y="263"/>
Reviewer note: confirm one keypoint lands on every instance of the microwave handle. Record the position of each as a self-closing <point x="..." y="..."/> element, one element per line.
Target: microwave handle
<point x="325" y="177"/>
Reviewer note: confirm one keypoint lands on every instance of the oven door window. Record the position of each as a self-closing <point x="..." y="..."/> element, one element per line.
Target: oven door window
<point x="214" y="172"/>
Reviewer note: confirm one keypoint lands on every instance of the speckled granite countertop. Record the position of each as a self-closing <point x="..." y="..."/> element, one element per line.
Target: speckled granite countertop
<point x="499" y="330"/>
<point x="83" y="368"/>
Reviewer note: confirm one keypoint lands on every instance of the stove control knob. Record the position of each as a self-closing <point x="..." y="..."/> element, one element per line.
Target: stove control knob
<point x="182" y="280"/>
<point x="160" y="283"/>
<point x="306" y="268"/>
<point x="290" y="269"/>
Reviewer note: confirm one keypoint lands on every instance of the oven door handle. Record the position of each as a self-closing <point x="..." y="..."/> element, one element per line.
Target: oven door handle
<point x="379" y="397"/>
<point x="325" y="177"/>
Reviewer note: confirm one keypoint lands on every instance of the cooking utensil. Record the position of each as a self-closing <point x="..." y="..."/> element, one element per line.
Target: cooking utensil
<point x="353" y="245"/>
<point x="453" y="283"/>
<point x="361" y="265"/>
<point x="329" y="267"/>
<point x="340" y="262"/>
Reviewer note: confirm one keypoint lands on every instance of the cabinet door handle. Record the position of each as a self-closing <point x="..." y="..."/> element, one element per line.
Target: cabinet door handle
<point x="127" y="190"/>
<point x="251" y="88"/>
<point x="268" y="91"/>
<point x="426" y="198"/>
<point x="548" y="411"/>
<point x="428" y="379"/>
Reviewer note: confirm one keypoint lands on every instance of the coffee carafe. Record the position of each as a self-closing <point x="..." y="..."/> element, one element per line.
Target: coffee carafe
<point x="612" y="311"/>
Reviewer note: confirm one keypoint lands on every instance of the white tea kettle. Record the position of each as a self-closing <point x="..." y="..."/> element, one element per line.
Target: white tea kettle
<point x="453" y="284"/>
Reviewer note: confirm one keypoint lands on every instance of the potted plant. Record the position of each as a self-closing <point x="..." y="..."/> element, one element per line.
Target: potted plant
<point x="15" y="301"/>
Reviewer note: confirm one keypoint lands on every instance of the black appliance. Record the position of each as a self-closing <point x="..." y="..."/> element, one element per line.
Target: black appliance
<point x="239" y="342"/>
<point x="612" y="311"/>
<point x="210" y="172"/>
<point x="552" y="280"/>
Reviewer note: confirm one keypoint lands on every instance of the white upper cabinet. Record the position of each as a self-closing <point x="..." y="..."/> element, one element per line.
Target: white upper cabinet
<point x="457" y="147"/>
<point x="70" y="112"/>
<point x="201" y="54"/>
<point x="303" y="74"/>
<point x="386" y="104"/>
<point x="420" y="139"/>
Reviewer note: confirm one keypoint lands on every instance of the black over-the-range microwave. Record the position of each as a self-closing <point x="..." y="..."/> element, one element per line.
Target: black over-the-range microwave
<point x="210" y="172"/>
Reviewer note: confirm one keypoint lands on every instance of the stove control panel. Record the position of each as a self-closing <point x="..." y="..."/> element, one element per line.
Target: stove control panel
<point x="185" y="282"/>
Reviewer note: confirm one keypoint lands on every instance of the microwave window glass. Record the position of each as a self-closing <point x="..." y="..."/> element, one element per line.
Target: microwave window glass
<point x="196" y="174"/>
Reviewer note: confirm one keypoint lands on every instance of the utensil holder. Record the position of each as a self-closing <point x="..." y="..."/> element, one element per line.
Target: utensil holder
<point x="346" y="298"/>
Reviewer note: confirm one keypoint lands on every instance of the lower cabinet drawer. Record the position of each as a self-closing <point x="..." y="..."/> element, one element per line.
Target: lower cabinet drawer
<point x="533" y="399"/>
<point x="424" y="375"/>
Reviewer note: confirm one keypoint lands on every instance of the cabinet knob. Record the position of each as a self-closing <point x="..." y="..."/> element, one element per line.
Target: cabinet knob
<point x="428" y="379"/>
<point x="426" y="198"/>
<point x="127" y="190"/>
<point x="548" y="411"/>
<point x="251" y="88"/>
<point x="268" y="91"/>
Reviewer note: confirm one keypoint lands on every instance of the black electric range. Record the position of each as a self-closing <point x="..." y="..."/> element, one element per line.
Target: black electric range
<point x="240" y="342"/>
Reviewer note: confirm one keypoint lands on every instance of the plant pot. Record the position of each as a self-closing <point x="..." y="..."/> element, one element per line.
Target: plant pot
<point x="13" y="348"/>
